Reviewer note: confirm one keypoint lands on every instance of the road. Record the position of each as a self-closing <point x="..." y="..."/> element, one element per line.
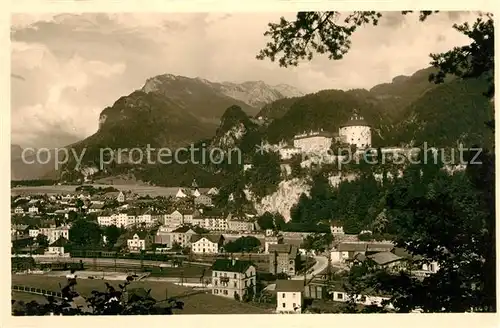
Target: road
<point x="320" y="265"/>
<point x="109" y="261"/>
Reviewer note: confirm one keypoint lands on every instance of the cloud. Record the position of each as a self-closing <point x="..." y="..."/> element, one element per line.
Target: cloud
<point x="76" y="65"/>
<point x="55" y="99"/>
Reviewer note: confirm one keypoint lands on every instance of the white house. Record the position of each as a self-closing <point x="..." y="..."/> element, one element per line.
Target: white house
<point x="347" y="251"/>
<point x="336" y="229"/>
<point x="57" y="247"/>
<point x="432" y="267"/>
<point x="33" y="232"/>
<point x="33" y="210"/>
<point x="138" y="242"/>
<point x="174" y="219"/>
<point x="289" y="296"/>
<point x="206" y="244"/>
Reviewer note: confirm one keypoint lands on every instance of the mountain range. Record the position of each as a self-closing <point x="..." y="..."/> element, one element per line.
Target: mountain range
<point x="174" y="111"/>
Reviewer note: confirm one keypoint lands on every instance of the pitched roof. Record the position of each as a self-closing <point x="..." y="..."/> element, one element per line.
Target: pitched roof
<point x="352" y="247"/>
<point x="289" y="286"/>
<point x="182" y="229"/>
<point x="212" y="238"/>
<point x="291" y="250"/>
<point x="61" y="242"/>
<point x="384" y="258"/>
<point x="379" y="247"/>
<point x="231" y="265"/>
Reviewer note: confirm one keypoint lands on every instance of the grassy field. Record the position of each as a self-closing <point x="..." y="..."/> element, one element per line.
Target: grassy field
<point x="195" y="304"/>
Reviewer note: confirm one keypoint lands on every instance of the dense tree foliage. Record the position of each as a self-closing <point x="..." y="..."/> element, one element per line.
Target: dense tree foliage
<point x="85" y="233"/>
<point x="242" y="244"/>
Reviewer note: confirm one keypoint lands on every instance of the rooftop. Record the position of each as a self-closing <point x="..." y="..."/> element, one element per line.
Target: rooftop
<point x="352" y="247"/>
<point x="230" y="265"/>
<point x="289" y="286"/>
<point x="384" y="258"/>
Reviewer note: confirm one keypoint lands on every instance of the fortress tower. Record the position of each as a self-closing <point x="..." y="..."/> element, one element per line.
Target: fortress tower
<point x="356" y="131"/>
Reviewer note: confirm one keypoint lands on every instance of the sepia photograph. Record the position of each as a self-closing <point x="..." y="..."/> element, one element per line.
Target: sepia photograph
<point x="310" y="162"/>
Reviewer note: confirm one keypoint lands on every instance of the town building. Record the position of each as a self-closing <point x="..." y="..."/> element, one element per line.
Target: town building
<point x="206" y="244"/>
<point x="344" y="252"/>
<point x="239" y="225"/>
<point x="203" y="200"/>
<point x="387" y="260"/>
<point x="119" y="196"/>
<point x="336" y="228"/>
<point x="289" y="296"/>
<point x="234" y="278"/>
<point x="182" y="236"/>
<point x="96" y="208"/>
<point x="19" y="210"/>
<point x="57" y="247"/>
<point x="189" y="216"/>
<point x="33" y="210"/>
<point x="174" y="219"/>
<point x="140" y="241"/>
<point x="52" y="233"/>
<point x="283" y="258"/>
<point x="272" y="238"/>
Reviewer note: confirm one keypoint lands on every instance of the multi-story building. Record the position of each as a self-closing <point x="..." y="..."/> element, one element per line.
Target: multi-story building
<point x="235" y="224"/>
<point x="206" y="244"/>
<point x="283" y="258"/>
<point x="289" y="296"/>
<point x="52" y="233"/>
<point x="233" y="278"/>
<point x="173" y="219"/>
<point x="189" y="216"/>
<point x="203" y="200"/>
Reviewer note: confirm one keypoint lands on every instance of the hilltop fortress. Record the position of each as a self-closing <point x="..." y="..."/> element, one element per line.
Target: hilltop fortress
<point x="355" y="132"/>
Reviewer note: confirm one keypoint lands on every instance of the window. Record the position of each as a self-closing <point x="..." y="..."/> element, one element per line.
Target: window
<point x="294" y="305"/>
<point x="215" y="282"/>
<point x="294" y="296"/>
<point x="236" y="284"/>
<point x="283" y="295"/>
<point x="215" y="273"/>
<point x="235" y="276"/>
<point x="216" y="291"/>
<point x="284" y="305"/>
<point x="340" y="296"/>
<point x="245" y="283"/>
<point x="225" y="291"/>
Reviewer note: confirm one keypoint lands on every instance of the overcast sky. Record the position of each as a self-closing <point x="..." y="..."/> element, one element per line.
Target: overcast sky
<point x="67" y="68"/>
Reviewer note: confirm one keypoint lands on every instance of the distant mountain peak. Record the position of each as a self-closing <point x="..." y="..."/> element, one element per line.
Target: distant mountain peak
<point x="253" y="93"/>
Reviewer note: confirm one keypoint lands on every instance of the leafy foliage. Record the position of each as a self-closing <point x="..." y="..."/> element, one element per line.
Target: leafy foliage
<point x="122" y="301"/>
<point x="242" y="244"/>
